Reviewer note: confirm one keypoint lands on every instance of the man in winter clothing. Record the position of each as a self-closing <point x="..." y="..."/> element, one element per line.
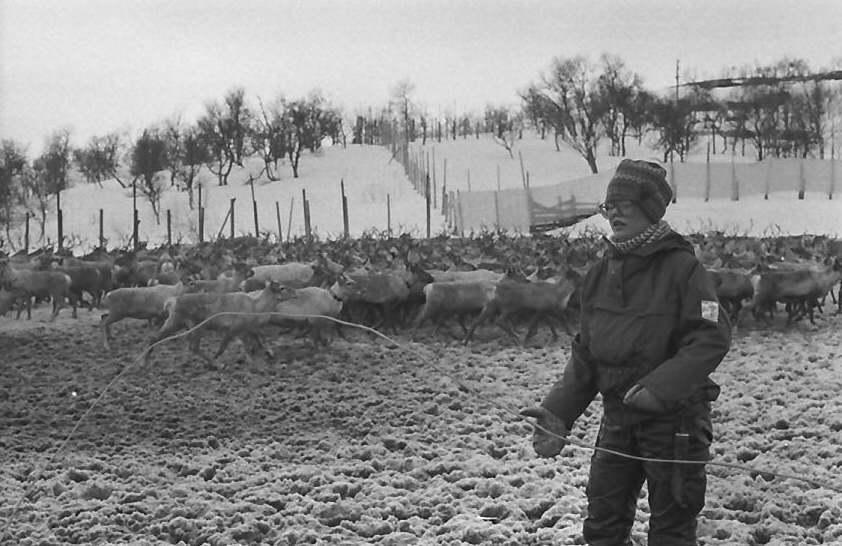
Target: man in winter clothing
<point x="652" y="331"/>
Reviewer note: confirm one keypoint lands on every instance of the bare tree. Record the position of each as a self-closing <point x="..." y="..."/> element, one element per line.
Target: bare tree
<point x="48" y="176"/>
<point x="56" y="160"/>
<point x="762" y="111"/>
<point x="37" y="192"/>
<point x="621" y="89"/>
<point x="677" y="124"/>
<point x="99" y="160"/>
<point x="403" y="107"/>
<point x="500" y="123"/>
<point x="269" y="134"/>
<point x="834" y="115"/>
<point x="333" y="125"/>
<point x="172" y="134"/>
<point x="13" y="163"/>
<point x="298" y="132"/>
<point x="196" y="154"/>
<point x="570" y="101"/>
<point x="224" y="128"/>
<point x="186" y="152"/>
<point x="309" y="121"/>
<point x="149" y="159"/>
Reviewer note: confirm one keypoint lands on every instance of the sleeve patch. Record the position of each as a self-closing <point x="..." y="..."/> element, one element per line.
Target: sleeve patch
<point x="710" y="310"/>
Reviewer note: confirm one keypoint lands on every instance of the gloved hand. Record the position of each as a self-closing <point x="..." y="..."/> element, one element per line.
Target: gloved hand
<point x="641" y="398"/>
<point x="544" y="444"/>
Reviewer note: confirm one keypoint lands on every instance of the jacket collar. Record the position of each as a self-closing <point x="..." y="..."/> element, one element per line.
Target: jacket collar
<point x="671" y="241"/>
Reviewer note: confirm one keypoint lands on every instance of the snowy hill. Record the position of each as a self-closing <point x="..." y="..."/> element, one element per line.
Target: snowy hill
<point x="380" y="196"/>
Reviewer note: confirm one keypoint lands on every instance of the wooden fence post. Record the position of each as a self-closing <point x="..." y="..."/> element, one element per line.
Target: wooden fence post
<point x="673" y="182"/>
<point x="201" y="217"/>
<point x="444" y="176"/>
<point x="768" y="181"/>
<point x="832" y="161"/>
<point x="460" y="219"/>
<point x="434" y="179"/>
<point x="735" y="184"/>
<point x="101" y="223"/>
<point x="388" y="215"/>
<point x="135" y="220"/>
<point x="289" y="220"/>
<point x="427" y="178"/>
<point x="416" y="173"/>
<point x="222" y="225"/>
<point x="59" y="220"/>
<point x="254" y="208"/>
<point x="344" y="208"/>
<point x="427" y="201"/>
<point x="306" y="213"/>
<point x="530" y="207"/>
<point x="802" y="182"/>
<point x="278" y="216"/>
<point x="26" y="235"/>
<point x="169" y="227"/>
<point x="232" y="216"/>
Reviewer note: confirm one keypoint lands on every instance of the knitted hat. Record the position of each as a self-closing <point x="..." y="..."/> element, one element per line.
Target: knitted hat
<point x="643" y="182"/>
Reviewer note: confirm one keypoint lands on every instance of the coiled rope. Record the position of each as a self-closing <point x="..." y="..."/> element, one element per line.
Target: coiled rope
<point x="464" y="386"/>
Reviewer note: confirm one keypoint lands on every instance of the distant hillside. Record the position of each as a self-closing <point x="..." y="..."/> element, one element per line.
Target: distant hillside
<point x="372" y="178"/>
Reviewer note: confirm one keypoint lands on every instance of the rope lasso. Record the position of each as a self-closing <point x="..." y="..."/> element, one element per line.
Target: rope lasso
<point x="592" y="447"/>
<point x="470" y="389"/>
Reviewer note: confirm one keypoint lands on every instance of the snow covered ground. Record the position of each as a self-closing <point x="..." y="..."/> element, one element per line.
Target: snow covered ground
<point x="373" y="443"/>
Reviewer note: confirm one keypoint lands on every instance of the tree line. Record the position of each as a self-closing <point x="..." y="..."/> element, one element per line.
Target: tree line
<point x="786" y="115"/>
<point x="171" y="153"/>
<point x="779" y="110"/>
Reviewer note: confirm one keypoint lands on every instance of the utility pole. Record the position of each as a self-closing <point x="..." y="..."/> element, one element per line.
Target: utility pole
<point x="135" y="220"/>
<point x="672" y="165"/>
<point x="676" y="100"/>
<point x="677" y="63"/>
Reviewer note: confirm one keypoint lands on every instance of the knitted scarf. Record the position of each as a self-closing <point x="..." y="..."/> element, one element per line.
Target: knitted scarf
<point x="652" y="234"/>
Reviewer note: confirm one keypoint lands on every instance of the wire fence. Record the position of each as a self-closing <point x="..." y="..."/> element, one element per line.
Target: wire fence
<point x="540" y="207"/>
<point x="524" y="209"/>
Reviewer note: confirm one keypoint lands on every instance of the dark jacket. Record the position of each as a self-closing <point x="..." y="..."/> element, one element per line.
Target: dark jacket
<point x="649" y="317"/>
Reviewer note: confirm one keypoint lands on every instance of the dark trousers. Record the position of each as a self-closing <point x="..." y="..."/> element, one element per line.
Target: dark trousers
<point x="615" y="482"/>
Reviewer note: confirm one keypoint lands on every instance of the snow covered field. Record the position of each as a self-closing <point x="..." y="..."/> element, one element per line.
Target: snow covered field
<point x="367" y="442"/>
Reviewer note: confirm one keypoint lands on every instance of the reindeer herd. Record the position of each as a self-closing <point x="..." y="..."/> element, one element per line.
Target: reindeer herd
<point x="801" y="286"/>
<point x="246" y="300"/>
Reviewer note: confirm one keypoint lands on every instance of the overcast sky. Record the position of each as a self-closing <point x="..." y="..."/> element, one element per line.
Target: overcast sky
<point x="97" y="66"/>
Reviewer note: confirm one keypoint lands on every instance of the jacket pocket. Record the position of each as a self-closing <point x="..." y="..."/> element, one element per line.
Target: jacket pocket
<point x="639" y="332"/>
<point x="628" y="343"/>
<point x="614" y="334"/>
